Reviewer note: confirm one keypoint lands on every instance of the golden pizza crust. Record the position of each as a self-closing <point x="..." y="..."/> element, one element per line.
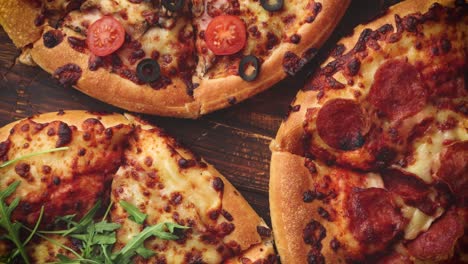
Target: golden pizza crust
<point x="289" y="180"/>
<point x="211" y="94"/>
<point x="17" y="19"/>
<point x="111" y="88"/>
<point x="71" y="118"/>
<point x="289" y="214"/>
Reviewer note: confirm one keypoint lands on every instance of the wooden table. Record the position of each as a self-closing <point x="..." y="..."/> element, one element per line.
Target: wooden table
<point x="234" y="140"/>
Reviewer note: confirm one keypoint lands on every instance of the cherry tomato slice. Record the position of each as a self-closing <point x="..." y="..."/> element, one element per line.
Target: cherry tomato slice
<point x="225" y="35"/>
<point x="105" y="36"/>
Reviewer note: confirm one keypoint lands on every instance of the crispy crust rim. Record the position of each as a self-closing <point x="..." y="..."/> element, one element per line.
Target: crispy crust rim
<point x="289" y="135"/>
<point x="111" y="88"/>
<point x="289" y="214"/>
<point x="24" y="32"/>
<point x="70" y="117"/>
<point x="211" y="95"/>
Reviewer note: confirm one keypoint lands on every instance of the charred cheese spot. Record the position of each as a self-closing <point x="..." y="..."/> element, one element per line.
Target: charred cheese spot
<point x="52" y="38"/>
<point x="68" y="75"/>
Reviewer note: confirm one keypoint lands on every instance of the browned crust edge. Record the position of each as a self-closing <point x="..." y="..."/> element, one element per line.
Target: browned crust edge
<point x="213" y="94"/>
<point x="289" y="214"/>
<point x="289" y="135"/>
<point x="70" y="117"/>
<point x="172" y="100"/>
<point x="17" y="18"/>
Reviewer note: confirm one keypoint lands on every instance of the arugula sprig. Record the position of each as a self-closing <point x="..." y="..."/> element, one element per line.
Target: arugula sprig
<point x="12" y="229"/>
<point x="97" y="239"/>
<point x="136" y="245"/>
<point x="135" y="214"/>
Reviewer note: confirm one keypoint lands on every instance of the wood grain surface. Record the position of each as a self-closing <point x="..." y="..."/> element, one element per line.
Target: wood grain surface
<point x="234" y="140"/>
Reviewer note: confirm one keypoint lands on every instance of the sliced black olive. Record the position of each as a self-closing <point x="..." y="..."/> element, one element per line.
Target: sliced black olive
<point x="148" y="70"/>
<point x="244" y="65"/>
<point x="274" y="5"/>
<point x="173" y="5"/>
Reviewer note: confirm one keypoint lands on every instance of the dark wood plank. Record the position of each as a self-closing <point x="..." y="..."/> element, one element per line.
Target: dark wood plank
<point x="234" y="140"/>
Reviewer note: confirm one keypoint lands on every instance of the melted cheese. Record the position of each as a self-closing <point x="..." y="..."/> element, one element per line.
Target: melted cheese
<point x="43" y="251"/>
<point x="418" y="221"/>
<point x="429" y="147"/>
<point x="373" y="180"/>
<point x="264" y="28"/>
<point x="129" y="15"/>
<point x="152" y="188"/>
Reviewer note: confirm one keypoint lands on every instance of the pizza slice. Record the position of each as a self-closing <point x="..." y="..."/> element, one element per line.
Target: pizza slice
<point x="169" y="183"/>
<point x="152" y="56"/>
<point x="259" y="42"/>
<point x="356" y="113"/>
<point x="66" y="168"/>
<point x="389" y="104"/>
<point x="147" y="59"/>
<point x="323" y="214"/>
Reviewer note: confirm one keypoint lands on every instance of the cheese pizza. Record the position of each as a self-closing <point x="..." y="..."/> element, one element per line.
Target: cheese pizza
<point x="164" y="203"/>
<point x="170" y="57"/>
<point x="371" y="164"/>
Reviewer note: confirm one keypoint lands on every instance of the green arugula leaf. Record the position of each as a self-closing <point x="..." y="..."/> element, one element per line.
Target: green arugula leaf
<point x="134" y="212"/>
<point x="104" y="217"/>
<point x="9" y="190"/>
<point x="144" y="252"/>
<point x="36" y="227"/>
<point x="137" y="241"/>
<point x="170" y="226"/>
<point x="75" y="227"/>
<point x="105" y="226"/>
<point x="12" y="229"/>
<point x="66" y="260"/>
<point x="97" y="238"/>
<point x="108" y="239"/>
<point x="27" y="156"/>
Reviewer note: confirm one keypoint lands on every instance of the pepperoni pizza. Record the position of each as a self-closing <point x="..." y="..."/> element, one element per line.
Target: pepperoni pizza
<point x="371" y="164"/>
<point x="170" y="57"/>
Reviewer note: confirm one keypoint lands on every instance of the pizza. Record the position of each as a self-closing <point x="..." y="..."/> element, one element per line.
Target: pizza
<point x="371" y="163"/>
<point x="147" y="181"/>
<point x="170" y="57"/>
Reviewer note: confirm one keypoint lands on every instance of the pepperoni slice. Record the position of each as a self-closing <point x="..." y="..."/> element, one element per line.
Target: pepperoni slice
<point x="397" y="91"/>
<point x="438" y="242"/>
<point x="374" y="218"/>
<point x="342" y="124"/>
<point x="454" y="170"/>
<point x="412" y="189"/>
